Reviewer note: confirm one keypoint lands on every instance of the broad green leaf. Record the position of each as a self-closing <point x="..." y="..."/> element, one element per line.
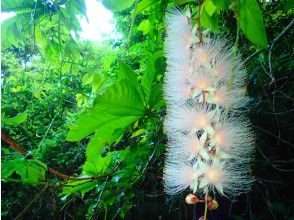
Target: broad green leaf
<point x="30" y="171"/>
<point x="180" y="2"/>
<point x="82" y="186"/>
<point x="19" y="118"/>
<point x="97" y="165"/>
<point x="144" y="4"/>
<point x="126" y="72"/>
<point x="144" y="26"/>
<point x="33" y="172"/>
<point x="222" y="4"/>
<point x="210" y="22"/>
<point x="289" y="4"/>
<point x="154" y="67"/>
<point x="106" y="134"/>
<point x="119" y="106"/>
<point x="156" y="97"/>
<point x="87" y="79"/>
<point x="117" y="5"/>
<point x="251" y="22"/>
<point x="209" y="7"/>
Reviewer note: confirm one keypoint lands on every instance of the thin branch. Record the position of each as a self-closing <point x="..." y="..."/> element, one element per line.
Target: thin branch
<point x="281" y="139"/>
<point x="16" y="147"/>
<point x="30" y="204"/>
<point x="199" y="21"/>
<point x="253" y="55"/>
<point x="131" y="28"/>
<point x="271" y="45"/>
<point x="46" y="133"/>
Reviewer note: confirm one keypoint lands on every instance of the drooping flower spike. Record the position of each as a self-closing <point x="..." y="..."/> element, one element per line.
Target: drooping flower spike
<point x="210" y="142"/>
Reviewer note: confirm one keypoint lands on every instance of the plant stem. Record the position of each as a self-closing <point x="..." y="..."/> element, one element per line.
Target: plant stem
<point x="199" y="21"/>
<point x="205" y="209"/>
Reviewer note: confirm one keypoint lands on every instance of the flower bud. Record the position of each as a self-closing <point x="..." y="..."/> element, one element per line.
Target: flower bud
<point x="191" y="199"/>
<point x="212" y="205"/>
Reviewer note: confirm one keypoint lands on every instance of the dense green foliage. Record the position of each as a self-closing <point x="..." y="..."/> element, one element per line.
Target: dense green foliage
<point x="95" y="111"/>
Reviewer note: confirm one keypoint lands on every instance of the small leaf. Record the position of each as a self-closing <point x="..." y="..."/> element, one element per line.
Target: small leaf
<point x="144" y="26"/>
<point x="19" y="118"/>
<point x="87" y="79"/>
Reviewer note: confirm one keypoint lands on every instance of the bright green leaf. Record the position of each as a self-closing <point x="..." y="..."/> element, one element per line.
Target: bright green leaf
<point x="143" y="5"/>
<point x="119" y="106"/>
<point x="209" y="7"/>
<point x="117" y="5"/>
<point x="19" y="118"/>
<point x="75" y="186"/>
<point x="251" y="22"/>
<point x="144" y="26"/>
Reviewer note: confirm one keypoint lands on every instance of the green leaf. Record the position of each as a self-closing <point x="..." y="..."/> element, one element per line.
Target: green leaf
<point x="210" y="22"/>
<point x="144" y="26"/>
<point x="19" y="118"/>
<point x="106" y="134"/>
<point x="87" y="79"/>
<point x="117" y="5"/>
<point x="251" y="22"/>
<point x="280" y="208"/>
<point x="126" y="72"/>
<point x="143" y="5"/>
<point x="82" y="186"/>
<point x="209" y="7"/>
<point x="97" y="165"/>
<point x="180" y="2"/>
<point x="154" y="67"/>
<point x="30" y="171"/>
<point x="119" y="106"/>
<point x="289" y="5"/>
<point x="221" y="4"/>
<point x="156" y="97"/>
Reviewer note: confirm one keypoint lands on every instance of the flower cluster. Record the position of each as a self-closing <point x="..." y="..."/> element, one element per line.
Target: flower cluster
<point x="210" y="143"/>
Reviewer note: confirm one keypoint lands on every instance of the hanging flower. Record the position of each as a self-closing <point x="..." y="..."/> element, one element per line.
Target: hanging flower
<point x="210" y="142"/>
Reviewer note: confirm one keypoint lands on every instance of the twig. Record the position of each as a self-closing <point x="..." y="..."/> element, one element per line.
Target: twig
<point x="270" y="46"/>
<point x="281" y="139"/>
<point x="16" y="147"/>
<point x="131" y="27"/>
<point x="253" y="55"/>
<point x="46" y="133"/>
<point x="199" y="21"/>
<point x="30" y="204"/>
<point x="99" y="198"/>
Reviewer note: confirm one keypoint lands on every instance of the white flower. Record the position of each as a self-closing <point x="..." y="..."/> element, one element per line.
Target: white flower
<point x="229" y="178"/>
<point x="177" y="176"/>
<point x="209" y="147"/>
<point x="187" y="146"/>
<point x="234" y="137"/>
<point x="189" y="119"/>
